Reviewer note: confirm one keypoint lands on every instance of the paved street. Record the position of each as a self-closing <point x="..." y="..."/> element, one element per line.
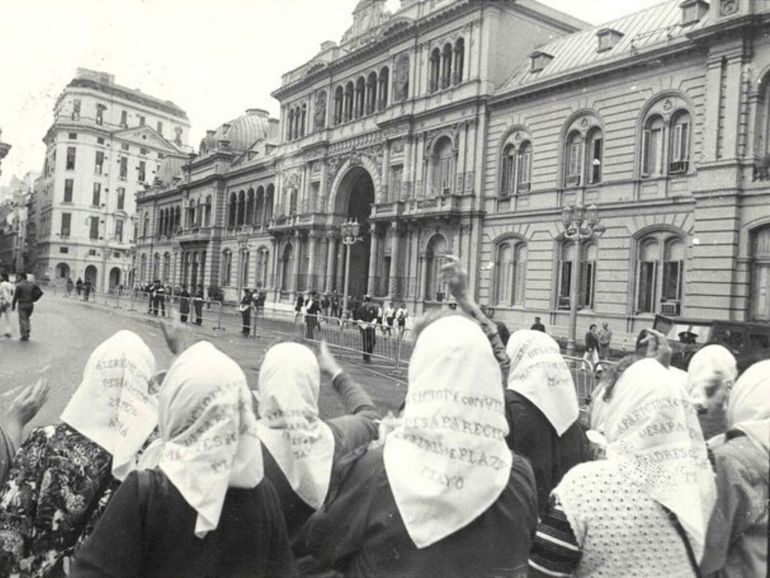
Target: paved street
<point x="64" y="332"/>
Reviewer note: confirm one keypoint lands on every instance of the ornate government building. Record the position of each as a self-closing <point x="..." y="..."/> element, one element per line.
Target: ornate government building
<point x="466" y="127"/>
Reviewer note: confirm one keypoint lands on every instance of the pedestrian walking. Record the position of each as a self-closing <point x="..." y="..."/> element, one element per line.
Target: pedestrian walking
<point x="591" y="355"/>
<point x="69" y="286"/>
<point x="366" y="315"/>
<point x="78" y="287"/>
<point x="245" y="309"/>
<point x="26" y="295"/>
<point x="538" y="325"/>
<point x="87" y="287"/>
<point x="605" y="339"/>
<point x="198" y="306"/>
<point x="390" y="316"/>
<point x="184" y="304"/>
<point x="401" y="316"/>
<point x="6" y="298"/>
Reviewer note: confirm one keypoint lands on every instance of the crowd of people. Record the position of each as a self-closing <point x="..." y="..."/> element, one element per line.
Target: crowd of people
<point x="486" y="470"/>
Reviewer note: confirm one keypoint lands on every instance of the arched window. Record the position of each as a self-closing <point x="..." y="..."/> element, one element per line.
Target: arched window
<point x="679" y="158"/>
<point x="459" y="60"/>
<point x="291" y="124"/>
<point x="207" y="217"/>
<point x="232" y="210"/>
<point x="434" y="257"/>
<point x="759" y="309"/>
<point x="227" y="268"/>
<point x="371" y="93"/>
<point x="566" y="263"/>
<point x="269" y="200"/>
<point x="303" y="120"/>
<point x="524" y="167"/>
<point x="446" y="66"/>
<point x="249" y="219"/>
<point x="508" y="169"/>
<point x="287" y="267"/>
<point x="360" y="96"/>
<point x="244" y="257"/>
<point x="586" y="279"/>
<point x="241" y="211"/>
<point x="510" y="273"/>
<point x="339" y="102"/>
<point x="349" y="98"/>
<point x="516" y="168"/>
<point x="259" y="210"/>
<point x="443" y="167"/>
<point x="660" y="273"/>
<point x="292" y="201"/>
<point x="177" y="219"/>
<point x="263" y="263"/>
<point x="190" y="221"/>
<point x="574" y="160"/>
<point x="594" y="155"/>
<point x="652" y="147"/>
<point x="384" y="88"/>
<point x="435" y="69"/>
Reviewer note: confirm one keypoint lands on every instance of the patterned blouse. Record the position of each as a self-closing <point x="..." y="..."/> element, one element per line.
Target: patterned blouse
<point x="57" y="489"/>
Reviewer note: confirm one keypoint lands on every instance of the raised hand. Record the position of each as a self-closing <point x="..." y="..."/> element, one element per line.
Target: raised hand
<point x="456" y="277"/>
<point x="178" y="336"/>
<point x="658" y="347"/>
<point x="326" y="362"/>
<point x="25" y="406"/>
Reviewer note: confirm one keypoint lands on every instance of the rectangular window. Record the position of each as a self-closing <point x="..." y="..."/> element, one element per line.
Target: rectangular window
<point x="587" y="285"/>
<point x="76" y="109"/>
<point x="160" y="128"/>
<point x="573" y="170"/>
<point x="121" y="198"/>
<point x="94" y="228"/>
<point x="66" y="223"/>
<point x="142" y="171"/>
<point x="646" y="278"/>
<point x="672" y="281"/>
<point x="96" y="198"/>
<point x="123" y="168"/>
<point x="124" y="147"/>
<point x="99" y="168"/>
<point x="680" y="149"/>
<point x="69" y="185"/>
<point x="595" y="170"/>
<point x="64" y="250"/>
<point x="119" y="230"/>
<point x="652" y="152"/>
<point x="92" y="252"/>
<point x="143" y="151"/>
<point x="71" y="151"/>
<point x="124" y="118"/>
<point x="72" y="136"/>
<point x="525" y="169"/>
<point x="508" y="174"/>
<point x="141" y="120"/>
<point x="99" y="114"/>
<point x="100" y="141"/>
<point x="565" y="284"/>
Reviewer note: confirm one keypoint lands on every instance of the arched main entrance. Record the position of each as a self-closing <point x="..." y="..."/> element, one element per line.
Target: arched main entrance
<point x="114" y="277"/>
<point x="91" y="274"/>
<point x="354" y="200"/>
<point x="62" y="271"/>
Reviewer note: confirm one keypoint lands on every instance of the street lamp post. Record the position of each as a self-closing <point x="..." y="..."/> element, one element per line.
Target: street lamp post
<point x="580" y="224"/>
<point x="350" y="230"/>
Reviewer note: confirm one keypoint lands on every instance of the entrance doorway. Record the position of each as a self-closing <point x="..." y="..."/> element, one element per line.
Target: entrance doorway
<point x="91" y="275"/>
<point x="114" y="278"/>
<point x="354" y="200"/>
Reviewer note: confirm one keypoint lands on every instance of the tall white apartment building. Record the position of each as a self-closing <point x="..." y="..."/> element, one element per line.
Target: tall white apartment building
<point x="106" y="144"/>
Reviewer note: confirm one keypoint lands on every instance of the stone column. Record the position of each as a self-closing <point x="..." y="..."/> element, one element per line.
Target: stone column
<point x="273" y="263"/>
<point x="373" y="246"/>
<point x="312" y="240"/>
<point x="331" y="253"/>
<point x="297" y="261"/>
<point x="386" y="184"/>
<point x="394" y="290"/>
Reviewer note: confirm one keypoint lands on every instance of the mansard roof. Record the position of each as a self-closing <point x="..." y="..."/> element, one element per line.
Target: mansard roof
<point x="656" y="27"/>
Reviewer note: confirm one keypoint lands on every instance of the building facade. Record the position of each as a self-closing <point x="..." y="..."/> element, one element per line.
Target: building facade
<point x="466" y="128"/>
<point x="105" y="145"/>
<point x="15" y="201"/>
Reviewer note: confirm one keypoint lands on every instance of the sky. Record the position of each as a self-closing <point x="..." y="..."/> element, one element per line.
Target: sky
<point x="213" y="58"/>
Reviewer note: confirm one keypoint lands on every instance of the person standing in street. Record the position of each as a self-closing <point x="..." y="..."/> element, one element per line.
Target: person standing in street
<point x="26" y="294"/>
<point x="401" y="316"/>
<point x="605" y="338"/>
<point x="366" y="315"/>
<point x="6" y="297"/>
<point x="311" y="316"/>
<point x="538" y="325"/>
<point x="184" y="304"/>
<point x="390" y="315"/>
<point x="591" y="354"/>
<point x="78" y="287"/>
<point x="198" y="306"/>
<point x="69" y="286"/>
<point x="245" y="309"/>
<point x="86" y="290"/>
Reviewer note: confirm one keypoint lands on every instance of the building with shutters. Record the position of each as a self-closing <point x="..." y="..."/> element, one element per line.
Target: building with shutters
<point x="105" y="145"/>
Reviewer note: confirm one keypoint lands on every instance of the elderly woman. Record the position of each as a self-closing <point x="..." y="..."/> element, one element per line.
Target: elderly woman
<point x="737" y="540"/>
<point x="64" y="474"/>
<point x="644" y="510"/>
<point x="303" y="453"/>
<point x="542" y="411"/>
<point x="443" y="496"/>
<point x="710" y="376"/>
<point x="206" y="509"/>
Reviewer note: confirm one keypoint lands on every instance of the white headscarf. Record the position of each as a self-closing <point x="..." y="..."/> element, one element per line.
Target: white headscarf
<point x="539" y="373"/>
<point x="711" y="365"/>
<point x="653" y="431"/>
<point x="112" y="406"/>
<point x="301" y="444"/>
<point x="208" y="430"/>
<point x="447" y="462"/>
<point x="749" y="406"/>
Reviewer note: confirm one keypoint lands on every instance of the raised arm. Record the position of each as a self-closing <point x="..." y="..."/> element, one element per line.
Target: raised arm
<point x="456" y="278"/>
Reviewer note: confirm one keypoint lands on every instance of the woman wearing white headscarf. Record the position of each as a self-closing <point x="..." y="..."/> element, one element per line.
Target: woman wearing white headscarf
<point x="205" y="510"/>
<point x="64" y="474"/>
<point x="302" y="450"/>
<point x="710" y="376"/>
<point x="443" y="496"/>
<point x="644" y="510"/>
<point x="542" y="409"/>
<point x="737" y="539"/>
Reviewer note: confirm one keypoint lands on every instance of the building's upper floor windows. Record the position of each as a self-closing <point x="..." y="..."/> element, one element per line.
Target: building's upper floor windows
<point x="447" y="65"/>
<point x="69" y="186"/>
<point x="160" y="128"/>
<point x="660" y="273"/>
<point x="72" y="136"/>
<point x="124" y="146"/>
<point x="76" y="105"/>
<point x="99" y="163"/>
<point x="538" y="60"/>
<point x="608" y="39"/>
<point x="124" y="118"/>
<point x="142" y="171"/>
<point x="71" y="154"/>
<point x="142" y="120"/>
<point x="121" y="198"/>
<point x="100" y="108"/>
<point x="666" y="139"/>
<point x="367" y="95"/>
<point x="123" y="170"/>
<point x="516" y="166"/>
<point x="583" y="152"/>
